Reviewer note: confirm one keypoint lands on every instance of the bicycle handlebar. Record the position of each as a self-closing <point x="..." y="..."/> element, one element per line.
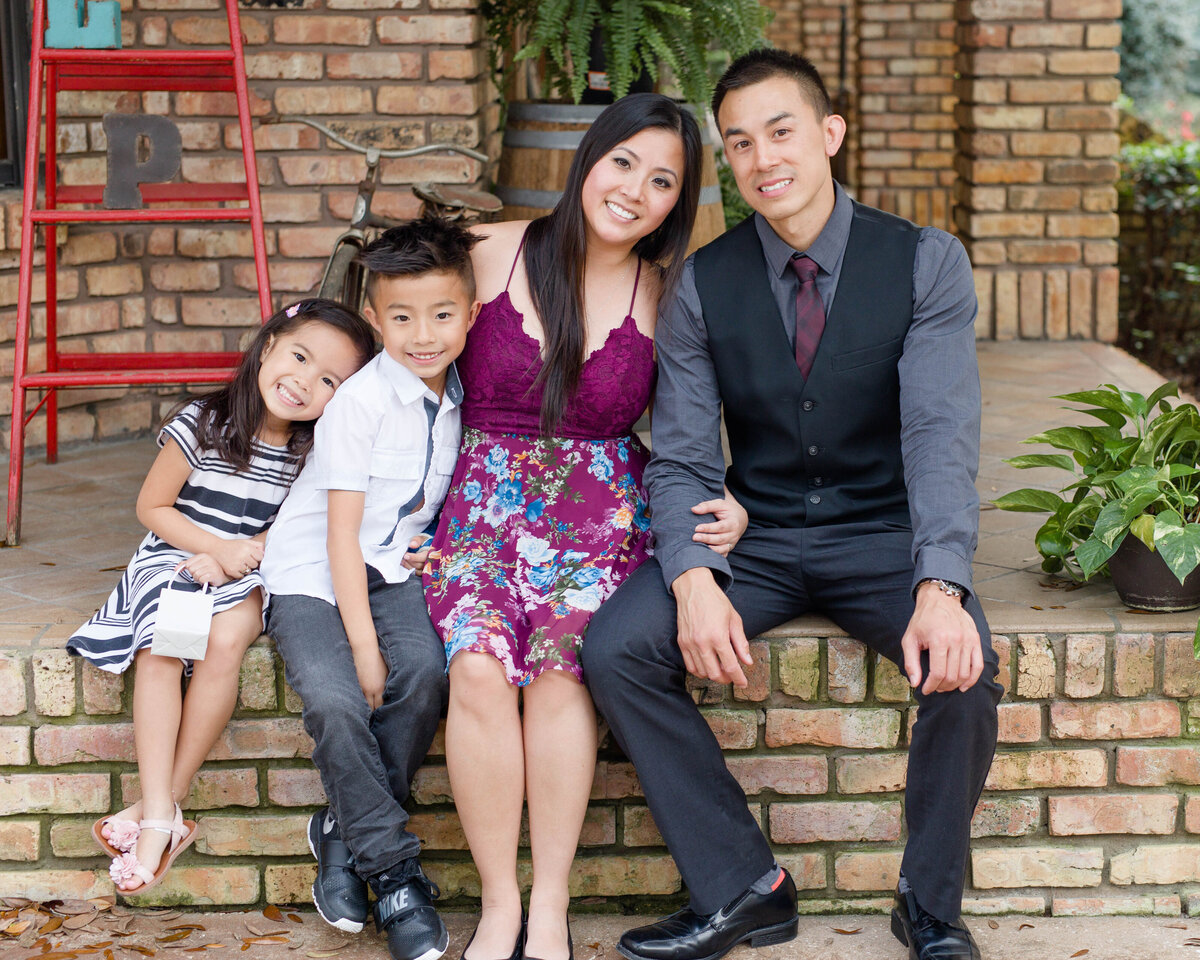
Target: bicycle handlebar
<point x="379" y="151"/>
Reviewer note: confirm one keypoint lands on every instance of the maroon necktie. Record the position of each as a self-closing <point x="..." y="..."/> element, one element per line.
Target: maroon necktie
<point x="810" y="313"/>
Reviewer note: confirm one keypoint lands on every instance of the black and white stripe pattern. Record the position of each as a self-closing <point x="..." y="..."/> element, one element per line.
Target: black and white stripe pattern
<point x="216" y="498"/>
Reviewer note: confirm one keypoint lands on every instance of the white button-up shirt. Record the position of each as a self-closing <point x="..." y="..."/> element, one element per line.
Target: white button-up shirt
<point x="384" y="433"/>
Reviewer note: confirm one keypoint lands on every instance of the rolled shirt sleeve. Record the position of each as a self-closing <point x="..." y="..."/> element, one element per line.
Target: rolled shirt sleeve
<point x="688" y="464"/>
<point x="940" y="411"/>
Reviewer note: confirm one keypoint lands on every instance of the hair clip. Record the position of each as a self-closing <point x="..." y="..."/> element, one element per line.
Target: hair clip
<point x="293" y="310"/>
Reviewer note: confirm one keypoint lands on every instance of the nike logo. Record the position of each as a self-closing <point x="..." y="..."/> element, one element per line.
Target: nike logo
<point x="328" y="824"/>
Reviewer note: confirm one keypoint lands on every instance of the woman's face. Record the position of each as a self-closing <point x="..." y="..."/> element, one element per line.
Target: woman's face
<point x="631" y="189"/>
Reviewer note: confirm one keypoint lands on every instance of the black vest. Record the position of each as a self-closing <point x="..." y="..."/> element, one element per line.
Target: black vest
<point x="825" y="450"/>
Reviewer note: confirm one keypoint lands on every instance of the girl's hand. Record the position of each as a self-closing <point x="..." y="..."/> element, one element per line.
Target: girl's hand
<point x="727" y="529"/>
<point x="418" y="552"/>
<point x="238" y="557"/>
<point x="372" y="675"/>
<point x="204" y="569"/>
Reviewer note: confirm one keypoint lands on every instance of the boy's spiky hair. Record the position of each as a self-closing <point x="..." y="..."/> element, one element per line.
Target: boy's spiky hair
<point x="429" y="243"/>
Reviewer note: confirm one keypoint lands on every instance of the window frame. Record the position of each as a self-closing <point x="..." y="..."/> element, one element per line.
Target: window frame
<point x="14" y="74"/>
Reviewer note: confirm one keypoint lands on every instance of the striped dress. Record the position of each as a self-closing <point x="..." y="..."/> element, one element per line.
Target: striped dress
<point x="218" y="499"/>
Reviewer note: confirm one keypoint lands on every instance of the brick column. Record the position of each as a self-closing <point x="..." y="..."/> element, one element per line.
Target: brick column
<point x="1037" y="140"/>
<point x="906" y="108"/>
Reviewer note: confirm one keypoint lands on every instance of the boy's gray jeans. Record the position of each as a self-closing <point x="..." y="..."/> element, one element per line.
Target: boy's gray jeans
<point x="366" y="758"/>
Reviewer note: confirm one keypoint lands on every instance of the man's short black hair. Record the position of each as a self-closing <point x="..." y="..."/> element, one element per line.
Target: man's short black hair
<point x="767" y="62"/>
<point x="427" y="244"/>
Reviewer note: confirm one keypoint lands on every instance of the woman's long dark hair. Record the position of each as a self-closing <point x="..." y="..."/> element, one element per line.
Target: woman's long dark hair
<point x="556" y="244"/>
<point x="230" y="417"/>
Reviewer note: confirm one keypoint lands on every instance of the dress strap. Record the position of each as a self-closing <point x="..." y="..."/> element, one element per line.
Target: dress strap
<point x="513" y="268"/>
<point x="636" y="277"/>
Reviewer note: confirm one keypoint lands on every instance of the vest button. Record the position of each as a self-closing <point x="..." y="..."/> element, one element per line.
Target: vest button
<point x="813" y="450"/>
<point x="813" y="498"/>
<point x="817" y="481"/>
<point x="808" y="405"/>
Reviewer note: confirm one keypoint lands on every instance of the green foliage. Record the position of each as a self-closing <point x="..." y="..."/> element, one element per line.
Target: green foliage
<point x="639" y="35"/>
<point x="1160" y="45"/>
<point x="1133" y="473"/>
<point x="1160" y="256"/>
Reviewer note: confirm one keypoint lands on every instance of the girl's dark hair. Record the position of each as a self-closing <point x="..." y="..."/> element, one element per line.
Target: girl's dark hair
<point x="555" y="245"/>
<point x="229" y="418"/>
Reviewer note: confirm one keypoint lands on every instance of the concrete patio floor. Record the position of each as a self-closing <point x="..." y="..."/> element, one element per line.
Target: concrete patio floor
<point x="79" y="528"/>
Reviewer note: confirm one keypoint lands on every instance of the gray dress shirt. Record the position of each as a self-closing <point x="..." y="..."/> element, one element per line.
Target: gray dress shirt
<point x="939" y="402"/>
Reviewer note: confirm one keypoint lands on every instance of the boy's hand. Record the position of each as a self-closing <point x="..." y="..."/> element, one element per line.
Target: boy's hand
<point x="204" y="569"/>
<point x="372" y="675"/>
<point x="418" y="552"/>
<point x="238" y="557"/>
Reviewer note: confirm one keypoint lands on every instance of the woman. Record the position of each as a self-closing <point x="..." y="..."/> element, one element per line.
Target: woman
<point x="546" y="513"/>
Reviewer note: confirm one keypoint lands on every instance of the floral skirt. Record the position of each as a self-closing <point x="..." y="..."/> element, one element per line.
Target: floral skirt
<point x="536" y="532"/>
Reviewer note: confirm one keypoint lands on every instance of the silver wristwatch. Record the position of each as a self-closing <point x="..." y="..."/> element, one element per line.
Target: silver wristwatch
<point x="948" y="587"/>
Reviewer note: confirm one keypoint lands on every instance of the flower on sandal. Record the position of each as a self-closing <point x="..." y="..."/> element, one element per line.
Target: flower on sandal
<point x="123" y="834"/>
<point x="123" y="868"/>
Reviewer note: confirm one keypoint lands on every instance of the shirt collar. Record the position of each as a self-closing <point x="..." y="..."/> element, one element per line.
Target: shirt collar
<point x="409" y="387"/>
<point x="826" y="251"/>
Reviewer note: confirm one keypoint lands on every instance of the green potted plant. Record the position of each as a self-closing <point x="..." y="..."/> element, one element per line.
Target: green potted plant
<point x="1133" y="503"/>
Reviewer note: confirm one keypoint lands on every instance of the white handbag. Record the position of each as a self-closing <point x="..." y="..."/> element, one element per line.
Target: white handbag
<point x="182" y="623"/>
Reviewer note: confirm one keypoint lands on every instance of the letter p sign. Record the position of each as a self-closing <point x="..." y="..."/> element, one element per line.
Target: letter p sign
<point x="125" y="170"/>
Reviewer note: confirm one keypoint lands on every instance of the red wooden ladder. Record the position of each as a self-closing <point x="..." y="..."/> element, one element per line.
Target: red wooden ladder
<point x="127" y="70"/>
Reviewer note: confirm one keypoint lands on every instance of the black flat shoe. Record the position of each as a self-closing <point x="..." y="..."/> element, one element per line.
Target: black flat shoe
<point x="927" y="937"/>
<point x="518" y="949"/>
<point x="339" y="893"/>
<point x="570" y="946"/>
<point x="761" y="919"/>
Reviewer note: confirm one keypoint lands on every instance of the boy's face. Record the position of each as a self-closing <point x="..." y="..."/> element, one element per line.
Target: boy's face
<point x="423" y="320"/>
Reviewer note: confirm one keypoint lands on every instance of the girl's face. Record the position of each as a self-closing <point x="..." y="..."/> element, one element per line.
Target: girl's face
<point x="300" y="371"/>
<point x="631" y="189"/>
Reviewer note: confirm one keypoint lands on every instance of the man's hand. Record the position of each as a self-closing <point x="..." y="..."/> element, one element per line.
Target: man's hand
<point x="940" y="625"/>
<point x="372" y="675"/>
<point x="711" y="637"/>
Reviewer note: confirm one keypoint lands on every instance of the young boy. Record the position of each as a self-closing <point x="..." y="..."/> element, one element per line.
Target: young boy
<point x="348" y="613"/>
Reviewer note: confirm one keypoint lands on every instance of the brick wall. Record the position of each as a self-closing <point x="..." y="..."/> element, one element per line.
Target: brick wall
<point x="397" y="73"/>
<point x="1091" y="805"/>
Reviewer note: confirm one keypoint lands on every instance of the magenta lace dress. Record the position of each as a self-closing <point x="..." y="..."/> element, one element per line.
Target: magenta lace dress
<point x="537" y="531"/>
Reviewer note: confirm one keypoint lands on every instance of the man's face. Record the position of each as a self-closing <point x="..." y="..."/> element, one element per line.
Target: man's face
<point x="778" y="148"/>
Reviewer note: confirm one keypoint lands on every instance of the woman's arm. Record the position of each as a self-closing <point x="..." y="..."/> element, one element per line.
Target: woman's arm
<point x="156" y="511"/>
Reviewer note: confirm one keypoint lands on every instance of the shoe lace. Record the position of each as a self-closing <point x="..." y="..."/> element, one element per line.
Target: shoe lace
<point x="410" y="872"/>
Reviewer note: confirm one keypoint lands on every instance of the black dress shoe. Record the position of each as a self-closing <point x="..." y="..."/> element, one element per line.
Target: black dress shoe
<point x="927" y="937"/>
<point x="760" y="918"/>
<point x="518" y="949"/>
<point x="339" y="893"/>
<point x="404" y="911"/>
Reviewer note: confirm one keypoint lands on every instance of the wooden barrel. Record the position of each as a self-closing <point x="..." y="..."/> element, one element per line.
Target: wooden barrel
<point x="540" y="141"/>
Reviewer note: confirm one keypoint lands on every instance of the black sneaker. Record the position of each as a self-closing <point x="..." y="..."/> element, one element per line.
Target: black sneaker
<point x="339" y="894"/>
<point x="404" y="911"/>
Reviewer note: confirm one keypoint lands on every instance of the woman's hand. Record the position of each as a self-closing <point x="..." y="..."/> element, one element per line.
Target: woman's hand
<point x="727" y="529"/>
<point x="238" y="557"/>
<point x="204" y="569"/>
<point x="418" y="552"/>
<point x="372" y="675"/>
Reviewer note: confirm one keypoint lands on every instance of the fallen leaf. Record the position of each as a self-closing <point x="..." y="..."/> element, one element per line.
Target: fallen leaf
<point x="849" y="932"/>
<point x="1080" y="953"/>
<point x="264" y="940"/>
<point x="272" y="912"/>
<point x="322" y="953"/>
<point x="51" y="925"/>
<point x="177" y="935"/>
<point x="187" y="926"/>
<point x="58" y="955"/>
<point x="993" y="924"/>
<point x="18" y="902"/>
<point x="103" y="903"/>
<point x="262" y="931"/>
<point x="109" y="955"/>
<point x="1025" y="926"/>
<point x="17" y="927"/>
<point x="79" y="920"/>
<point x="72" y="907"/>
<point x="296" y="917"/>
<point x="1176" y="926"/>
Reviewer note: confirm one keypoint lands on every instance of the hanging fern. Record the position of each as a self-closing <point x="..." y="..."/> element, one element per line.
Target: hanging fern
<point x="639" y="35"/>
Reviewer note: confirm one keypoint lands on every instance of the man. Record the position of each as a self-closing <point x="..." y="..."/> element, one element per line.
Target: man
<point x="839" y="341"/>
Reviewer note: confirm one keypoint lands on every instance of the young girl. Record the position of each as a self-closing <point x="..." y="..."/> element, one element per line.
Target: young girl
<point x="226" y="463"/>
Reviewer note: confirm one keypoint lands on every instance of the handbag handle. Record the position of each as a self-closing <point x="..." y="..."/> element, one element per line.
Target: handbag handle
<point x="176" y="575"/>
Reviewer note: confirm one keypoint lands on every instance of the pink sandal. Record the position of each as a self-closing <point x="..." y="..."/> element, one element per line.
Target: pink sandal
<point x="127" y="865"/>
<point x="122" y="835"/>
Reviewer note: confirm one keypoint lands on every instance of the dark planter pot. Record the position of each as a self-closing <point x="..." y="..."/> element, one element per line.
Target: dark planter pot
<point x="1142" y="579"/>
<point x="597" y="89"/>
